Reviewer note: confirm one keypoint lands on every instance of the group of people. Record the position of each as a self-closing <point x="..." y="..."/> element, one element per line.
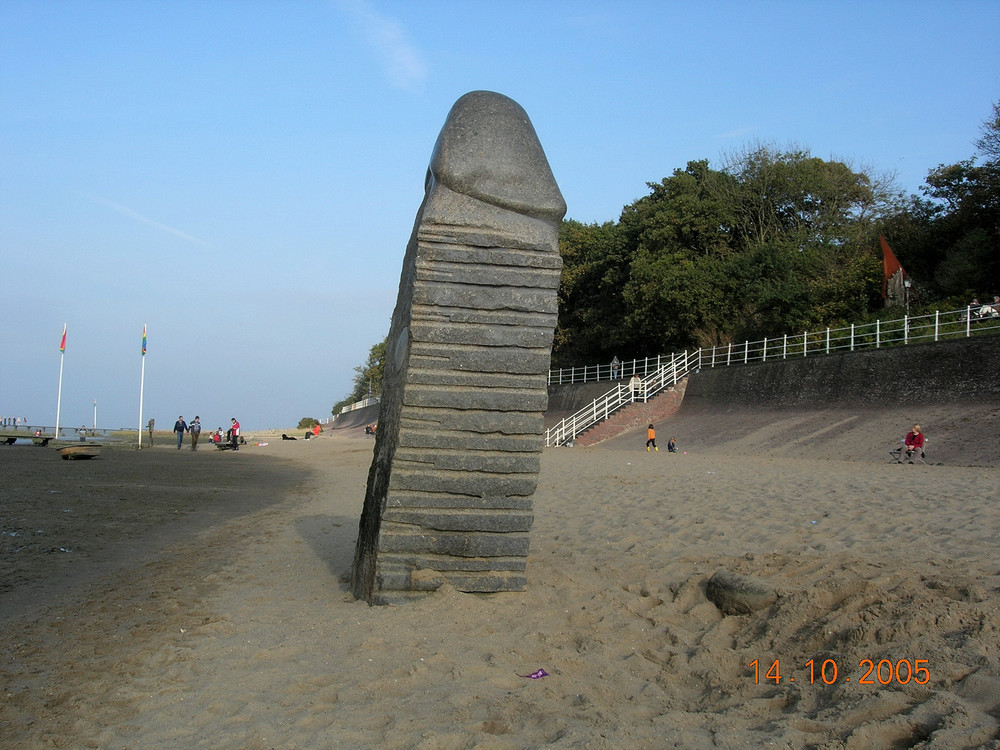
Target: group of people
<point x="913" y="444"/>
<point x="651" y="441"/>
<point x="981" y="310"/>
<point x="232" y="435"/>
<point x="311" y="434"/>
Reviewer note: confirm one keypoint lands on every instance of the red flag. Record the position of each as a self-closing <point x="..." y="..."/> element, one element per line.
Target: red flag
<point x="62" y="344"/>
<point x="890" y="265"/>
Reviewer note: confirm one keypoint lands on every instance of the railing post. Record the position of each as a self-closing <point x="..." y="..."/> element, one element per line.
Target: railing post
<point x="878" y="334"/>
<point x="784" y="347"/>
<point x="764" y="353"/>
<point x="852" y="337"/>
<point x="828" y="339"/>
<point x="906" y="329"/>
<point x="729" y="354"/>
<point x="968" y="321"/>
<point x="746" y="351"/>
<point x="937" y="322"/>
<point x="805" y="342"/>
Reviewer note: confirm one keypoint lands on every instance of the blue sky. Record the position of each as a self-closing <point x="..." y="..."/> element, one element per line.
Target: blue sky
<point x="242" y="177"/>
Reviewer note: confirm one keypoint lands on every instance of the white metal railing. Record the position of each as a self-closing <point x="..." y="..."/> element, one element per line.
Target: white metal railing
<point x="359" y="404"/>
<point x="612" y="371"/>
<point x="938" y="326"/>
<point x="651" y="375"/>
<point x="670" y="370"/>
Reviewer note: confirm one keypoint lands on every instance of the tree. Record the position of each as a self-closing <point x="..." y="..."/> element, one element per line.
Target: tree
<point x="679" y="244"/>
<point x="989" y="142"/>
<point x="307" y="422"/>
<point x="775" y="241"/>
<point x="805" y="229"/>
<point x="368" y="376"/>
<point x="590" y="292"/>
<point x="958" y="250"/>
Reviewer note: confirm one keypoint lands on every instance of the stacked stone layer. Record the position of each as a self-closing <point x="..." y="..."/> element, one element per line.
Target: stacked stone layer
<point x="470" y="430"/>
<point x="464" y="393"/>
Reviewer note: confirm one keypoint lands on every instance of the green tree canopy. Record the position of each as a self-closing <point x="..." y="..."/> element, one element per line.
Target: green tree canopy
<point x="774" y="241"/>
<point x="367" y="377"/>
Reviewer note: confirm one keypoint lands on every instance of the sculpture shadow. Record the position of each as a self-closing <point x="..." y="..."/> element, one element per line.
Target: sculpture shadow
<point x="333" y="539"/>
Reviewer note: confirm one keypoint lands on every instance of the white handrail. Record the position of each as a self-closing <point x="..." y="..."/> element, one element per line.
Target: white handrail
<point x="637" y="389"/>
<point x="960" y="323"/>
<point x="665" y="371"/>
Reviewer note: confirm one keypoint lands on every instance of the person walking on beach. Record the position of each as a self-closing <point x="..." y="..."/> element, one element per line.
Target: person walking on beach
<point x="234" y="434"/>
<point x="195" y="429"/>
<point x="180" y="427"/>
<point x="151" y="423"/>
<point x="651" y="439"/>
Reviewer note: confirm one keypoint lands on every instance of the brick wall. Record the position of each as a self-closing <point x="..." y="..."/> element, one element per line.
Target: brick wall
<point x="637" y="414"/>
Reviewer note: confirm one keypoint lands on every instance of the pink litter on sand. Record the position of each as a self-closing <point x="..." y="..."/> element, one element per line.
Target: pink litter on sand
<point x="535" y="675"/>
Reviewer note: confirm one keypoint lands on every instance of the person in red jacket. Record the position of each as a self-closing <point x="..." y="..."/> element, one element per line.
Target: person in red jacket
<point x="914" y="443"/>
<point x="234" y="434"/>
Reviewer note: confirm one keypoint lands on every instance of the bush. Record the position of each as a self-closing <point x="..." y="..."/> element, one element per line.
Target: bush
<point x="306" y="422"/>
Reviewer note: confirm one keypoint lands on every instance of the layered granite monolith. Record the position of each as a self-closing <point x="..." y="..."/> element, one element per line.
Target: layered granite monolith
<point x="459" y="440"/>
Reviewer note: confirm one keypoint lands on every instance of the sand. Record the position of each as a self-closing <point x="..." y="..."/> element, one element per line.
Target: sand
<point x="169" y="599"/>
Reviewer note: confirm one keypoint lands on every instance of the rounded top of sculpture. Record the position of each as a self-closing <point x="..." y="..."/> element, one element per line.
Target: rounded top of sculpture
<point x="488" y="150"/>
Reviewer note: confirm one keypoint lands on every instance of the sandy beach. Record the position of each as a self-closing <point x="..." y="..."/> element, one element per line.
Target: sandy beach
<point x="169" y="599"/>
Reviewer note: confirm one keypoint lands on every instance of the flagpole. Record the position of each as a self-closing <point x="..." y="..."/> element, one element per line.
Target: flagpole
<point x="142" y="383"/>
<point x="62" y="356"/>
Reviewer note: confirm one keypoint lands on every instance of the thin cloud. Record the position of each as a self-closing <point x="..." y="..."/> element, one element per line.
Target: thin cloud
<point x="126" y="211"/>
<point x="400" y="59"/>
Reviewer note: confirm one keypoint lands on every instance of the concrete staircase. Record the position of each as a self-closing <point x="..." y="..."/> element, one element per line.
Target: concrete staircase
<point x="637" y="414"/>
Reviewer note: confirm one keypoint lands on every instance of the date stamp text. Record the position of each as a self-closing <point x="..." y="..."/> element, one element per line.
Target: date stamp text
<point x="828" y="672"/>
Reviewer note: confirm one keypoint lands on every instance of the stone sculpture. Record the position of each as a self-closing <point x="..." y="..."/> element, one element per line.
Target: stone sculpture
<point x="459" y="439"/>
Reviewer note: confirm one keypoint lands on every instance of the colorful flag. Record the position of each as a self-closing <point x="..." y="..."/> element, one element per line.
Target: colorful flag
<point x="62" y="344"/>
<point x="144" y="341"/>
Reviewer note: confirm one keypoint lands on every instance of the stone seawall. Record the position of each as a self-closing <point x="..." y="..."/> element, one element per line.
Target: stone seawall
<point x="944" y="372"/>
<point x="851" y="405"/>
